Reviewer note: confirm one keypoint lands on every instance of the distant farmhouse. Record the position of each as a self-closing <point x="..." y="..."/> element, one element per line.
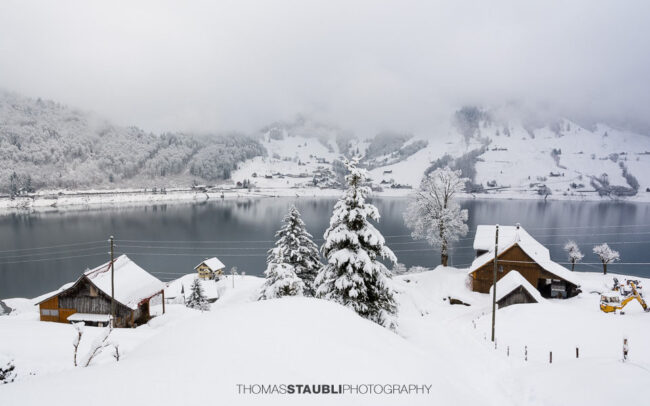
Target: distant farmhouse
<point x="520" y="252"/>
<point x="210" y="268"/>
<point x="89" y="298"/>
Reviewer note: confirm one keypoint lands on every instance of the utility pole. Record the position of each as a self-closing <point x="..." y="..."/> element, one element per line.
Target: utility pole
<point x="112" y="284"/>
<point x="494" y="280"/>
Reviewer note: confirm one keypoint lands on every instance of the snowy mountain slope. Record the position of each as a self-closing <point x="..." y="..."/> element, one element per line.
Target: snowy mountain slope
<point x="50" y="146"/>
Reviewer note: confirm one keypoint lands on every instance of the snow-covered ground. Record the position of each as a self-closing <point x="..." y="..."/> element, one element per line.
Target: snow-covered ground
<point x="186" y="356"/>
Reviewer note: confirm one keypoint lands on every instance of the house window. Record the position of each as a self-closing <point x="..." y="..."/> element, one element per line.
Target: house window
<point x="50" y="312"/>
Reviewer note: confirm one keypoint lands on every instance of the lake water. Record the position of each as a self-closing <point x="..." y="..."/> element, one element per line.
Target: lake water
<point x="169" y="240"/>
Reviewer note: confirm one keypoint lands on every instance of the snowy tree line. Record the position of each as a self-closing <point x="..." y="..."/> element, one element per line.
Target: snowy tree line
<point x="48" y="145"/>
<point x="465" y="163"/>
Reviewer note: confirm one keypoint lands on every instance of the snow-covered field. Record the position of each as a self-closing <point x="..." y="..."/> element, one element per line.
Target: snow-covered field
<point x="186" y="357"/>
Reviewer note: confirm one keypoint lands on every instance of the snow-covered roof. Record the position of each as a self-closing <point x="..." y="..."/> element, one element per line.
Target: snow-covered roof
<point x="132" y="283"/>
<point x="484" y="238"/>
<point x="213" y="263"/>
<point x="89" y="317"/>
<point x="510" y="236"/>
<point x="511" y="281"/>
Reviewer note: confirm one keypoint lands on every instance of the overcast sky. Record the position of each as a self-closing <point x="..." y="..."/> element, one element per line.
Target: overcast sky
<point x="366" y="65"/>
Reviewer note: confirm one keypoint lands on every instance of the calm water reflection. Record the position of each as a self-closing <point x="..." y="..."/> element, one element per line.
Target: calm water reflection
<point x="239" y="233"/>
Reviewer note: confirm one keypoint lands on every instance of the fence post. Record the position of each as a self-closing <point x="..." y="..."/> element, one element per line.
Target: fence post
<point x="526" y="353"/>
<point x="495" y="343"/>
<point x="577" y="352"/>
<point x="508" y="351"/>
<point x="550" y="357"/>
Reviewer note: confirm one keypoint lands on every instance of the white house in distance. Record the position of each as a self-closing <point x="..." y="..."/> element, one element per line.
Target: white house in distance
<point x="210" y="268"/>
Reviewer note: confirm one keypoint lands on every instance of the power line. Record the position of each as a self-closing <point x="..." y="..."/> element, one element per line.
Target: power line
<point x="51" y="259"/>
<point x="55" y="246"/>
<point x="52" y="253"/>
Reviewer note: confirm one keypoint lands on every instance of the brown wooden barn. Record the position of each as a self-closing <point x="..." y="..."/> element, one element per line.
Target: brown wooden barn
<point x="88" y="299"/>
<point x="521" y="252"/>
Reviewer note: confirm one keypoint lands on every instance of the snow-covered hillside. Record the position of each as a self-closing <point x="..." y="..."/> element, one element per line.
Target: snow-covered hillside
<point x="50" y="148"/>
<point x="188" y="356"/>
<point x="502" y="158"/>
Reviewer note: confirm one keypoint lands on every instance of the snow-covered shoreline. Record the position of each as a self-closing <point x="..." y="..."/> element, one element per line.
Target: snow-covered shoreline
<point x="53" y="200"/>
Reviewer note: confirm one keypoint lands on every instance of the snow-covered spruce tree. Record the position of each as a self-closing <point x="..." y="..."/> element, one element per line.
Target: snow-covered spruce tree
<point x="296" y="247"/>
<point x="281" y="280"/>
<point x="197" y="299"/>
<point x="606" y="255"/>
<point x="353" y="274"/>
<point x="573" y="251"/>
<point x="433" y="214"/>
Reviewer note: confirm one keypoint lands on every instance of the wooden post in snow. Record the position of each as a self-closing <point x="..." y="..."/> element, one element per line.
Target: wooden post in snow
<point x="112" y="284"/>
<point x="494" y="280"/>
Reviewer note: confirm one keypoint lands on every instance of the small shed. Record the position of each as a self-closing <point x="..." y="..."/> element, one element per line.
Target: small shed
<point x="88" y="299"/>
<point x="210" y="268"/>
<point x="514" y="289"/>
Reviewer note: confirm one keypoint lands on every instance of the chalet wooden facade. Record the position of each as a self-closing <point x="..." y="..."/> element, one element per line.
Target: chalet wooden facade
<point x="520" y="252"/>
<point x="88" y="299"/>
<point x="211" y="268"/>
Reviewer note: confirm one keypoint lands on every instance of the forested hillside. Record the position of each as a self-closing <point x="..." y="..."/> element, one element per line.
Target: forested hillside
<point x="44" y="144"/>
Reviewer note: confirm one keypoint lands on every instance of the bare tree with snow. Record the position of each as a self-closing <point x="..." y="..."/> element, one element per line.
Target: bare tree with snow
<point x="79" y="332"/>
<point x="434" y="215"/>
<point x="573" y="251"/>
<point x="296" y="248"/>
<point x="354" y="276"/>
<point x="98" y="345"/>
<point x="606" y="255"/>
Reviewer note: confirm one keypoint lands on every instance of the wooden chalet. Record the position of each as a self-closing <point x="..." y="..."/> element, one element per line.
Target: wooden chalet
<point x="88" y="299"/>
<point x="519" y="251"/>
<point x="211" y="268"/>
<point x="515" y="289"/>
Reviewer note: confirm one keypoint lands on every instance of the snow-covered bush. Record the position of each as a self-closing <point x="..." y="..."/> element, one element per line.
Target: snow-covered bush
<point x="573" y="252"/>
<point x="7" y="370"/>
<point x="295" y="247"/>
<point x="281" y="280"/>
<point x="433" y="214"/>
<point x="354" y="276"/>
<point x="197" y="299"/>
<point x="606" y="255"/>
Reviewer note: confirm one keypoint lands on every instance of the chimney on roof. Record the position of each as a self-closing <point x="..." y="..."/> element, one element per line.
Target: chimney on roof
<point x="517" y="225"/>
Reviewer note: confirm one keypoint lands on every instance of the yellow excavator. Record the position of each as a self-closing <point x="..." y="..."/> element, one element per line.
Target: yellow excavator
<point x="621" y="296"/>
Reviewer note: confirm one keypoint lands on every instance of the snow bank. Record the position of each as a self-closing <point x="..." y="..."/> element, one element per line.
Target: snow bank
<point x="290" y="340"/>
